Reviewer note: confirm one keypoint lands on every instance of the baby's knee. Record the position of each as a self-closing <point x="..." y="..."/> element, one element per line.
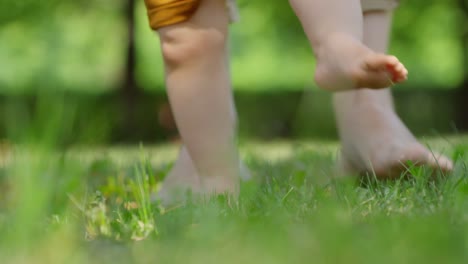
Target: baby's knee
<point x="185" y="44"/>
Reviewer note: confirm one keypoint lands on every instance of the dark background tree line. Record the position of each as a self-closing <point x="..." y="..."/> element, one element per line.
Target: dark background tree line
<point x="134" y="87"/>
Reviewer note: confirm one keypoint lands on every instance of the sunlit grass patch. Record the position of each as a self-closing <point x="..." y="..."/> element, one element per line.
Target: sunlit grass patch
<point x="97" y="206"/>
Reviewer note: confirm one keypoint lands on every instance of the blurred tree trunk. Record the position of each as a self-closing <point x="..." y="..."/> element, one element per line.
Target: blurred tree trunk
<point x="462" y="95"/>
<point x="463" y="4"/>
<point x="129" y="90"/>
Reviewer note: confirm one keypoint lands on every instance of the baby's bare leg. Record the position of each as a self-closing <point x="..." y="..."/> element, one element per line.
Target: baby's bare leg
<point x="374" y="138"/>
<point x="198" y="85"/>
<point x="335" y="31"/>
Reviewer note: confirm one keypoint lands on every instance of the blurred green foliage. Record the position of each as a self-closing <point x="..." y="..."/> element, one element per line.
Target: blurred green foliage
<point x="80" y="45"/>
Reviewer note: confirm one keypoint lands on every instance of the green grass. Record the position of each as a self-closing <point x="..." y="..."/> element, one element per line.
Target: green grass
<point x="95" y="206"/>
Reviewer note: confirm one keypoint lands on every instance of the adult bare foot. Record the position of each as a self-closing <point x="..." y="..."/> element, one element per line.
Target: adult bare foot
<point x="343" y="62"/>
<point x="376" y="141"/>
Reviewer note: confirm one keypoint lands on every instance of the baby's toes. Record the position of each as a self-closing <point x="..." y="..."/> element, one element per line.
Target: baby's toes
<point x="398" y="72"/>
<point x="391" y="61"/>
<point x="377" y="62"/>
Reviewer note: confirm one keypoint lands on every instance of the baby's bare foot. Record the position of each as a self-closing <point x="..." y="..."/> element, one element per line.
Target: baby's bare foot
<point x="343" y="61"/>
<point x="181" y="180"/>
<point x="184" y="179"/>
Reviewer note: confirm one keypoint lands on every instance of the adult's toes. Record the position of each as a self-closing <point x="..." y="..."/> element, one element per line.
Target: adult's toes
<point x="438" y="161"/>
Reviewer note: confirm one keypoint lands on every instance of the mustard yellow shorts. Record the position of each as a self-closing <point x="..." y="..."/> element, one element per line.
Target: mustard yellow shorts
<point x="163" y="13"/>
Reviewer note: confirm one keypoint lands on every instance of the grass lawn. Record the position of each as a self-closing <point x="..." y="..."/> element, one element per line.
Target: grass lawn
<point x="94" y="206"/>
